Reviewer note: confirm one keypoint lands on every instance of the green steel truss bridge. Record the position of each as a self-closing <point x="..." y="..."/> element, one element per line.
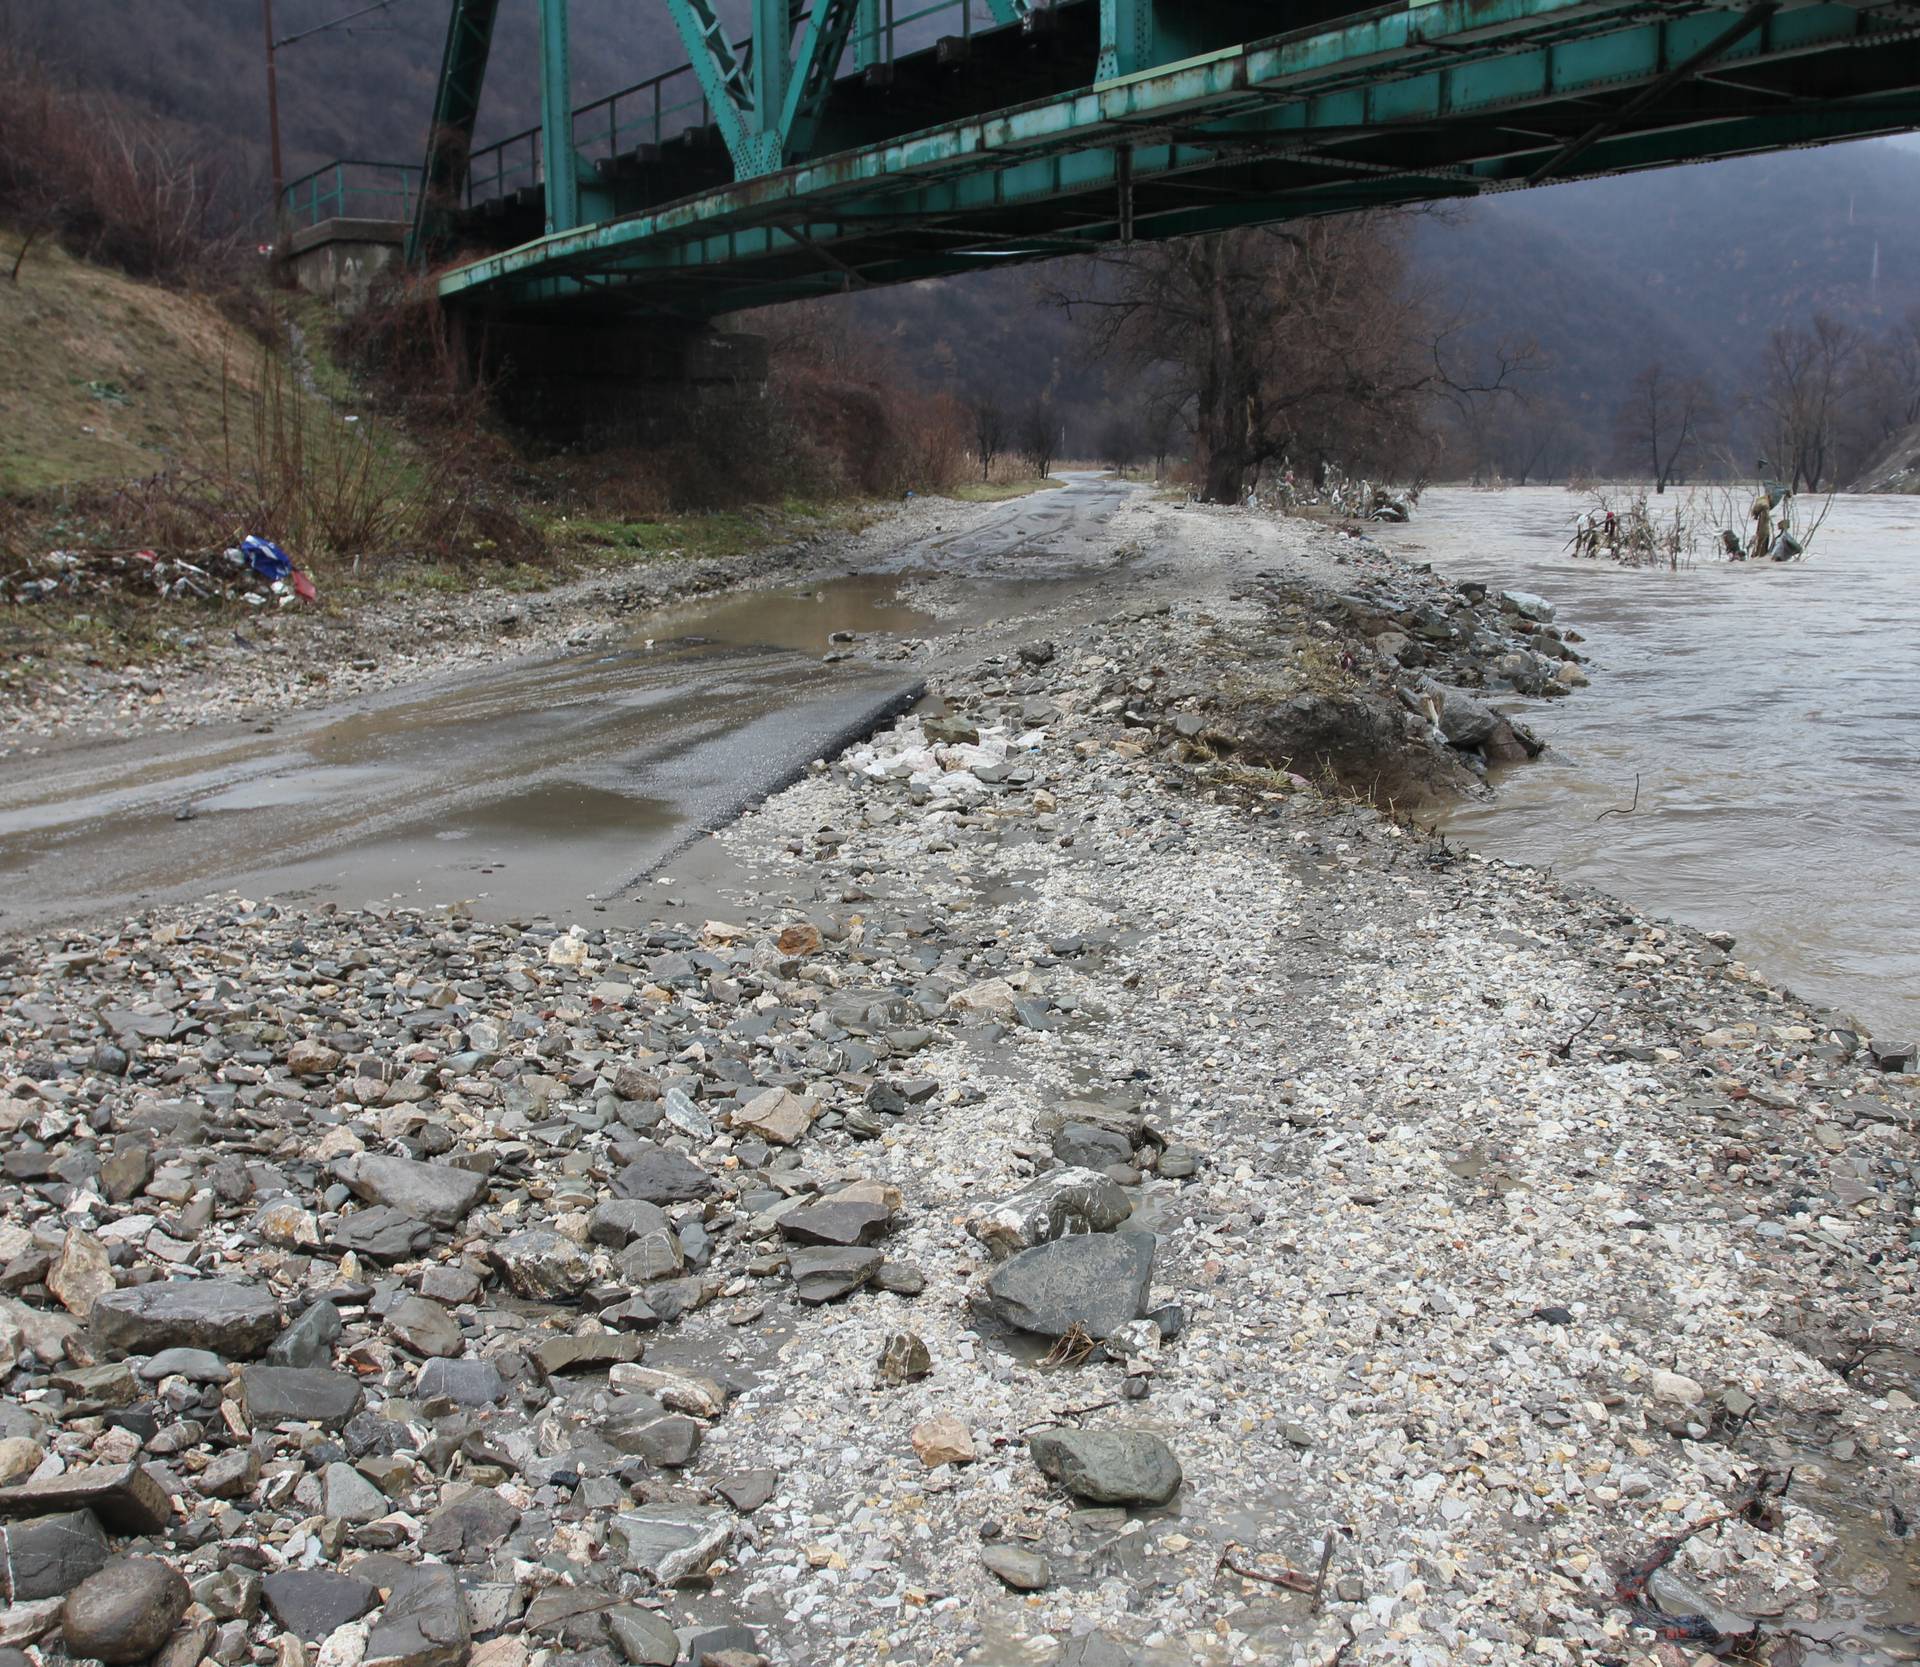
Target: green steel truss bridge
<point x="847" y="143"/>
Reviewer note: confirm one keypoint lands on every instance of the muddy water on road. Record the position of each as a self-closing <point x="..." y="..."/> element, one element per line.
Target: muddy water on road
<point x="1771" y="716"/>
<point x="545" y="785"/>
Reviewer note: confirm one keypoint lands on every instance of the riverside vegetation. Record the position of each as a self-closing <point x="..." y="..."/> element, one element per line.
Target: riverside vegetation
<point x="1095" y="1190"/>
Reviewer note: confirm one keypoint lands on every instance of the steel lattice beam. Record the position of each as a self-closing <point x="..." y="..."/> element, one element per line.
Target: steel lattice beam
<point x="456" y="104"/>
<point x="1393" y="105"/>
<point x="560" y="165"/>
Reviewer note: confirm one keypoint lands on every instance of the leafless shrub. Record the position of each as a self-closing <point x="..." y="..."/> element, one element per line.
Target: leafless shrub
<point x="108" y="187"/>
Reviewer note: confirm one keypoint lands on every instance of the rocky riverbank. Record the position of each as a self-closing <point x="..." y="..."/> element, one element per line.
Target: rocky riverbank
<point x="1084" y="1196"/>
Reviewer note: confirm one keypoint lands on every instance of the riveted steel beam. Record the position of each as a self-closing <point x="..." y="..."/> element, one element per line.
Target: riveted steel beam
<point x="559" y="165"/>
<point x="729" y="82"/>
<point x="456" y="104"/>
<point x="1394" y="106"/>
<point x="815" y="64"/>
<point x="1126" y="37"/>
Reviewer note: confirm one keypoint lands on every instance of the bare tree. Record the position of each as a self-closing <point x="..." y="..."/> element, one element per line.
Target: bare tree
<point x="1119" y="442"/>
<point x="1660" y="422"/>
<point x="1808" y="401"/>
<point x="989" y="431"/>
<point x="1040" y="433"/>
<point x="1297" y="340"/>
<point x="1160" y="427"/>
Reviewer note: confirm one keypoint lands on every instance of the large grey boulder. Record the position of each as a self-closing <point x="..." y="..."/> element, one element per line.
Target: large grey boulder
<point x="1108" y="1467"/>
<point x="437" y="1192"/>
<point x="1096" y="1282"/>
<point x="1464" y="721"/>
<point x="659" y="1176"/>
<point x="125" y="1612"/>
<point x="224" y="1315"/>
<point x="310" y="1603"/>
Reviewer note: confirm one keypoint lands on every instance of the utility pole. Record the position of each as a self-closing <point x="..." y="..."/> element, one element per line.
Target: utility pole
<point x="273" y="116"/>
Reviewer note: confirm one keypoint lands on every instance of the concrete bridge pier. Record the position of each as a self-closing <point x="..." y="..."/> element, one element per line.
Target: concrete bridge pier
<point x="601" y="378"/>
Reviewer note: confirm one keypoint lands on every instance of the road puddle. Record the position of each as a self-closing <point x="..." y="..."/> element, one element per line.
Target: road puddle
<point x="802" y="619"/>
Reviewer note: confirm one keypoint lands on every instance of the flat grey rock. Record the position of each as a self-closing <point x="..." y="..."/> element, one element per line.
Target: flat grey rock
<point x="659" y="1176"/>
<point x="309" y="1340"/>
<point x="1108" y="1467"/>
<point x="469" y="1528"/>
<point x="1024" y="1571"/>
<point x="299" y="1395"/>
<point x="382" y="1234"/>
<point x="466" y="1383"/>
<point x="223" y="1316"/>
<point x="425" y="1327"/>
<point x="48" y="1556"/>
<point x="824" y="1275"/>
<point x="310" y="1603"/>
<point x="587" y="1354"/>
<point x="197" y="1365"/>
<point x="643" y="1638"/>
<point x="424" y="1623"/>
<point x="1094" y="1281"/>
<point x="125" y="1497"/>
<point x="440" y="1193"/>
<point x="845" y="1225"/>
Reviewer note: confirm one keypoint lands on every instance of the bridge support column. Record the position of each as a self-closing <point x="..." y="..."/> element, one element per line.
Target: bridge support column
<point x="599" y="380"/>
<point x="561" y="166"/>
<point x="772" y="60"/>
<point x="869" y="44"/>
<point x="1126" y="37"/>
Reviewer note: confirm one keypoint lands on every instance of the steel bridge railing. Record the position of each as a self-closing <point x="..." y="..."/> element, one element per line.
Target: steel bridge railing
<point x="353" y="190"/>
<point x="667" y="105"/>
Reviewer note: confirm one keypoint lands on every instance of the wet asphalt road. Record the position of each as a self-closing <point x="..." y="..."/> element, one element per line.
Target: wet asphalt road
<point x="542" y="786"/>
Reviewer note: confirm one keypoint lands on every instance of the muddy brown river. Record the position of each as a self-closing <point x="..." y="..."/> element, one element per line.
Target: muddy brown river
<point x="1770" y="715"/>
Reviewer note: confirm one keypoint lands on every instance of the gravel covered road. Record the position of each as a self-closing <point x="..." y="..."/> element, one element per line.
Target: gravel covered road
<point x="1040" y="1189"/>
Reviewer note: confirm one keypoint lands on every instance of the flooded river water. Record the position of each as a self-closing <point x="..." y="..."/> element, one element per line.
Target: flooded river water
<point x="1771" y="717"/>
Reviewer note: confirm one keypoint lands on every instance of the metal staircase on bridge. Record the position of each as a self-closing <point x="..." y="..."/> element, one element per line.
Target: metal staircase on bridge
<point x="858" y="142"/>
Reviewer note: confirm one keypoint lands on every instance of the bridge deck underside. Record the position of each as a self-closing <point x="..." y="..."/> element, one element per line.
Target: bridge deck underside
<point x="1446" y="100"/>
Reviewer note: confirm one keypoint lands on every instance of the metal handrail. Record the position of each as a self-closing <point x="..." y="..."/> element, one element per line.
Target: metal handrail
<point x="353" y="188"/>
<point x="603" y="129"/>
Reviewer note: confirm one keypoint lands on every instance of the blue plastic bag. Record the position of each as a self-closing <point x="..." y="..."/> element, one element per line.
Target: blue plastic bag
<point x="266" y="558"/>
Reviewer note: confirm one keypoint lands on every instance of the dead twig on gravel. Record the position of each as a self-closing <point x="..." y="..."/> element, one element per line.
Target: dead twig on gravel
<point x="1630" y="1591"/>
<point x="1288" y="1580"/>
<point x="1074" y="1346"/>
<point x="1564" y="1050"/>
<point x="1320" y="1577"/>
<point x="1347" y="1643"/>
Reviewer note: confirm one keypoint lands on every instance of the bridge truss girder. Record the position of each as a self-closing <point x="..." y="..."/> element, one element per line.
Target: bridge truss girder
<point x="1451" y="98"/>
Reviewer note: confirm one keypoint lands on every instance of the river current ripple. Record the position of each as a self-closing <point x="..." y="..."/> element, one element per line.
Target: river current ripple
<point x="1771" y="715"/>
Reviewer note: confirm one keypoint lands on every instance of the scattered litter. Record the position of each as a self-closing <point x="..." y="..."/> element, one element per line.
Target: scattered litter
<point x="254" y="573"/>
